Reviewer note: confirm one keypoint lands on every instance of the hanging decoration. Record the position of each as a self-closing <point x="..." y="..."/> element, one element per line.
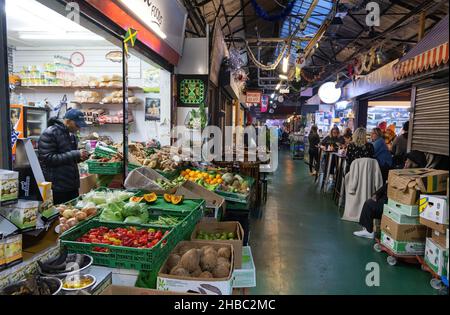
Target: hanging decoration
<point x="273" y="18"/>
<point x="362" y="65"/>
<point x="130" y="37"/>
<point x="271" y="67"/>
<point x="312" y="78"/>
<point x="299" y="65"/>
<point x="235" y="61"/>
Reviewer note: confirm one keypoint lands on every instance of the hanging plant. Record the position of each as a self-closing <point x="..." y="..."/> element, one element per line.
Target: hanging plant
<point x="273" y="18"/>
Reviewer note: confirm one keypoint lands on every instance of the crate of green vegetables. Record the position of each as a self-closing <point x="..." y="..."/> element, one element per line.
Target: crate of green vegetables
<point x="235" y="188"/>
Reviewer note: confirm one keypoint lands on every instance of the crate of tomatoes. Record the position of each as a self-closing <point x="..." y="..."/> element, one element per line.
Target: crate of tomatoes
<point x="117" y="245"/>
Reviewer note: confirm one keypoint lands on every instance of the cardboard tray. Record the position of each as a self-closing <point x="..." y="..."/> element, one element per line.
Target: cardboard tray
<point x="192" y="190"/>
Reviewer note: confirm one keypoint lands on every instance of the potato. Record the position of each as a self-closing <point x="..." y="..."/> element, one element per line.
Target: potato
<point x="222" y="260"/>
<point x="225" y="252"/>
<point x="196" y="273"/>
<point x="173" y="261"/>
<point x="191" y="260"/>
<point x="183" y="250"/>
<point x="179" y="271"/>
<point x="68" y="214"/>
<point x="221" y="271"/>
<point x="208" y="261"/>
<point x="206" y="275"/>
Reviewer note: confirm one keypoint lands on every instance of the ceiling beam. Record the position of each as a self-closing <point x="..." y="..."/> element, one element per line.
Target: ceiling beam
<point x="203" y="3"/>
<point x="243" y="6"/>
<point x="411" y="7"/>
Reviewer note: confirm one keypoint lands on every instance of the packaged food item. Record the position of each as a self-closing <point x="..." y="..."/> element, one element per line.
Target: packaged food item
<point x="9" y="187"/>
<point x="13" y="250"/>
<point x="23" y="214"/>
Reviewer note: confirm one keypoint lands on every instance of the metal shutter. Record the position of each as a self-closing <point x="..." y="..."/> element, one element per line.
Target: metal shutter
<point x="431" y="119"/>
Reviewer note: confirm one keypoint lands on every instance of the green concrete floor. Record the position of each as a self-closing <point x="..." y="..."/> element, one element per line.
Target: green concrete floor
<point x="301" y="246"/>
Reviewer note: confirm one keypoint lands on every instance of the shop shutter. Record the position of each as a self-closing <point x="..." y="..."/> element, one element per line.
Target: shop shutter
<point x="430" y="129"/>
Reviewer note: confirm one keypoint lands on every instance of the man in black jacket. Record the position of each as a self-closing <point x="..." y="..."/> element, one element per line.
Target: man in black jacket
<point x="59" y="155"/>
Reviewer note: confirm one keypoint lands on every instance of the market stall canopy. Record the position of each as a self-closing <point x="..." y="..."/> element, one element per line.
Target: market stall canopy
<point x="429" y="54"/>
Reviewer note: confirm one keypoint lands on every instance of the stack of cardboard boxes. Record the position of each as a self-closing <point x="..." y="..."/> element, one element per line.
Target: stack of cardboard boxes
<point x="434" y="215"/>
<point x="401" y="229"/>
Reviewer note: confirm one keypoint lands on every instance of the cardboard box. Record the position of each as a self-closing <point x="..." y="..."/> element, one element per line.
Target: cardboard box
<point x="2" y="253"/>
<point x="404" y="185"/>
<point x="433" y="225"/>
<point x="23" y="214"/>
<point x="13" y="250"/>
<point x="9" y="187"/>
<point x="88" y="183"/>
<point x="245" y="277"/>
<point x="216" y="286"/>
<point x="399" y="218"/>
<point x="192" y="190"/>
<point x="403" y="248"/>
<point x="434" y="208"/>
<point x="220" y="227"/>
<point x="439" y="238"/>
<point x="435" y="257"/>
<point x="409" y="210"/>
<point x="121" y="290"/>
<point x="403" y="232"/>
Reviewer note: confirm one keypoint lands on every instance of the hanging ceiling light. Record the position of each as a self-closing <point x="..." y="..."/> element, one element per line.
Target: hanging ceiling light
<point x="283" y="77"/>
<point x="272" y="96"/>
<point x="329" y="94"/>
<point x="278" y="86"/>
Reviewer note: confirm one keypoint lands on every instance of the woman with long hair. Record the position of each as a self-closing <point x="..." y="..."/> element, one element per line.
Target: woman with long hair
<point x="314" y="140"/>
<point x="359" y="147"/>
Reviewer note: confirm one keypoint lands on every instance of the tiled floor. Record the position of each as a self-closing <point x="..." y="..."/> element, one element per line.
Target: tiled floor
<point x="301" y="246"/>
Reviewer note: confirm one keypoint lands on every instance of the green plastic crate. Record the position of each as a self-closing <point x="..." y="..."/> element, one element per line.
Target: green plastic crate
<point x="108" y="168"/>
<point x="169" y="175"/>
<point x="119" y="256"/>
<point x="237" y="197"/>
<point x="132" y="167"/>
<point x="105" y="152"/>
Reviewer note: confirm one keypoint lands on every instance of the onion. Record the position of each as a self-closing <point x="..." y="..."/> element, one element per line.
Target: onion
<point x="72" y="222"/>
<point x="81" y="216"/>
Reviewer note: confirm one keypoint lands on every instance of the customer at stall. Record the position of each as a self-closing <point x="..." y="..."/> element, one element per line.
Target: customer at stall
<point x="333" y="141"/>
<point x="400" y="147"/>
<point x="381" y="153"/>
<point x="359" y="148"/>
<point x="314" y="141"/>
<point x="373" y="208"/>
<point x="348" y="136"/>
<point x="59" y="155"/>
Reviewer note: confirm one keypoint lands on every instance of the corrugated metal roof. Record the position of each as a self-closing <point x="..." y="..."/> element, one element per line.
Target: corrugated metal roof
<point x="436" y="37"/>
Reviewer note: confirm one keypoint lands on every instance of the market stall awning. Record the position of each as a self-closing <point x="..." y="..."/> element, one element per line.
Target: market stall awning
<point x="430" y="53"/>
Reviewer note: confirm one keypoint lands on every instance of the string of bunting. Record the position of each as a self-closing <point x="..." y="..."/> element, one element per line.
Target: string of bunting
<point x="273" y="18"/>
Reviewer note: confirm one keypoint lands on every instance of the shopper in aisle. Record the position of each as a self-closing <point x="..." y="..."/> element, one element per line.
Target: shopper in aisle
<point x="373" y="208"/>
<point x="59" y="155"/>
<point x="314" y="141"/>
<point x="359" y="148"/>
<point x="333" y="140"/>
<point x="400" y="147"/>
<point x="381" y="152"/>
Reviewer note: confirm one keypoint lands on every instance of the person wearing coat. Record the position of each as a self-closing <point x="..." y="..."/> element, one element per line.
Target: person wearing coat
<point x="363" y="180"/>
<point x="373" y="207"/>
<point x="382" y="153"/>
<point x="59" y="155"/>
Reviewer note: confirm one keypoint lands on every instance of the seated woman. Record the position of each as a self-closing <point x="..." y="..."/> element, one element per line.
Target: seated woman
<point x="334" y="140"/>
<point x="358" y="148"/>
<point x="373" y="208"/>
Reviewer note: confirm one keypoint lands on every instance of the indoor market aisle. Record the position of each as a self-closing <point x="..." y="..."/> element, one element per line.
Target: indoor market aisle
<point x="301" y="246"/>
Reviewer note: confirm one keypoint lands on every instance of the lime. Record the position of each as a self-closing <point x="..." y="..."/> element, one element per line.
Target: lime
<point x="231" y="235"/>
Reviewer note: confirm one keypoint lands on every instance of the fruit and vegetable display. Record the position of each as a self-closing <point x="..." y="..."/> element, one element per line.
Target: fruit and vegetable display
<point x="126" y="212"/>
<point x="101" y="198"/>
<point x="206" y="262"/>
<point x="127" y="237"/>
<point x="224" y="236"/>
<point x="34" y="285"/>
<point x="208" y="180"/>
<point x="70" y="216"/>
<point x="64" y="263"/>
<point x="166" y="185"/>
<point x="173" y="199"/>
<point x="162" y="159"/>
<point x="234" y="184"/>
<point x="167" y="220"/>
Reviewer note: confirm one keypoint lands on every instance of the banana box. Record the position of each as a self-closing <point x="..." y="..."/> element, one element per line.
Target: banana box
<point x="434" y="208"/>
<point x="436" y="257"/>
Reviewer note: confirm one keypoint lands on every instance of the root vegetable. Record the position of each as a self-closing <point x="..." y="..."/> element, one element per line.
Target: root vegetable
<point x="196" y="273"/>
<point x="68" y="214"/>
<point x="81" y="216"/>
<point x="72" y="222"/>
<point x="179" y="271"/>
<point x="222" y="260"/>
<point x="221" y="271"/>
<point x="191" y="260"/>
<point x="206" y="275"/>
<point x="208" y="262"/>
<point x="224" y="252"/>
<point x="173" y="261"/>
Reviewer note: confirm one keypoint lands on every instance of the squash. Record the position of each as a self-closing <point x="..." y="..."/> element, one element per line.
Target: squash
<point x="150" y="198"/>
<point x="136" y="199"/>
<point x="168" y="198"/>
<point x="176" y="200"/>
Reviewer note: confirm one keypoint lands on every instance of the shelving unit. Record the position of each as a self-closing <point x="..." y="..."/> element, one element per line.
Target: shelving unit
<point x="55" y="87"/>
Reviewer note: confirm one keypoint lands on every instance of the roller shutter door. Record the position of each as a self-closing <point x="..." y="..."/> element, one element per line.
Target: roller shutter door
<point x="430" y="128"/>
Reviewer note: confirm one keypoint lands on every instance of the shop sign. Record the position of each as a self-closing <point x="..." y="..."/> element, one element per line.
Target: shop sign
<point x="264" y="103"/>
<point x="167" y="18"/>
<point x="253" y="97"/>
<point x="376" y="80"/>
<point x="192" y="90"/>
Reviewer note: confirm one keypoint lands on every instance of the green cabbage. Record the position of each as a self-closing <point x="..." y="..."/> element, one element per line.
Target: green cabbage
<point x="110" y="215"/>
<point x="133" y="209"/>
<point x="134" y="220"/>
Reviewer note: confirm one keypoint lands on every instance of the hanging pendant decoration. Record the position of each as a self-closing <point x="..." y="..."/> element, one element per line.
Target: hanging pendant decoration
<point x="130" y="37"/>
<point x="273" y="18"/>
